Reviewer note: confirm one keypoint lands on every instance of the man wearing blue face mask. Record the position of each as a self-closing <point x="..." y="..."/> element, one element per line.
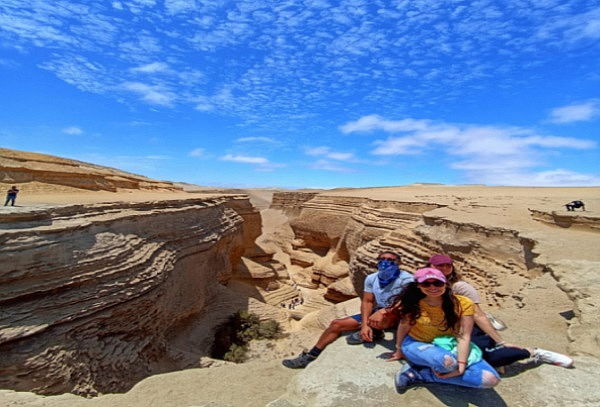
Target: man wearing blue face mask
<point x="380" y="288"/>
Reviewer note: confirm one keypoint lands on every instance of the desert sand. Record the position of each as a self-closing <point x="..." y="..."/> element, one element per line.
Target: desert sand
<point x="536" y="265"/>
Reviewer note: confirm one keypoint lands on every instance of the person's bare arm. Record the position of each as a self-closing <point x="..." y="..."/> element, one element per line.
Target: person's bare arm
<point x="403" y="330"/>
<point x="366" y="307"/>
<point x="485" y="325"/>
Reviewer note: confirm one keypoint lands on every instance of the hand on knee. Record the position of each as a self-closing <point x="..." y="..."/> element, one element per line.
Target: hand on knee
<point x="450" y="363"/>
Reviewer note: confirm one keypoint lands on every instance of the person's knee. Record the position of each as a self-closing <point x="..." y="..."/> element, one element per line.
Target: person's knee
<point x="334" y="325"/>
<point x="488" y="380"/>
<point x="338" y="325"/>
<point x="450" y="363"/>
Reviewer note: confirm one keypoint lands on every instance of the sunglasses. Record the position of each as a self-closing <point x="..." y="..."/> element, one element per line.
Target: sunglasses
<point x="435" y="283"/>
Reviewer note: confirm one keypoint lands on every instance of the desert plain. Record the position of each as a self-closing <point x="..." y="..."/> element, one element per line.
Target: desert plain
<point x="114" y="285"/>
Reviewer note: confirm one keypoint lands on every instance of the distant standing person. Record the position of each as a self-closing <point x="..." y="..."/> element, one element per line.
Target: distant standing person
<point x="11" y="195"/>
<point x="571" y="206"/>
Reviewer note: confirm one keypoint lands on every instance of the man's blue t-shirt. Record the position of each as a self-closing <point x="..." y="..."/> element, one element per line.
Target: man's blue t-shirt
<point x="383" y="296"/>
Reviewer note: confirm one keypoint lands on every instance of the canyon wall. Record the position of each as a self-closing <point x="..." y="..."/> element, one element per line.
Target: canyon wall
<point x="41" y="171"/>
<point x="93" y="297"/>
<point x="503" y="261"/>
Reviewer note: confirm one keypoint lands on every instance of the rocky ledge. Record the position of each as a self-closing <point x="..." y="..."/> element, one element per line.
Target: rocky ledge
<point x="94" y="297"/>
<point x="18" y="167"/>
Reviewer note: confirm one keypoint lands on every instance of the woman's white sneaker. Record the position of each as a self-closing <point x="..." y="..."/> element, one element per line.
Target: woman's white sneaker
<point x="553" y="358"/>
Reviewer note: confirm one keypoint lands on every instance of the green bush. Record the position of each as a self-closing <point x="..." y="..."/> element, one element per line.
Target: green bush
<point x="236" y="354"/>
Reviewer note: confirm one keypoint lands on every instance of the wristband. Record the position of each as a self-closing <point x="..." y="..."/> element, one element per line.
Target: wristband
<point x="462" y="362"/>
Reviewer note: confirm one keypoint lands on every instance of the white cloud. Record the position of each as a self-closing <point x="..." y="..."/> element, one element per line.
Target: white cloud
<point x="316" y="150"/>
<point x="583" y="111"/>
<point x="154" y="67"/>
<point x="487" y="154"/>
<point x="158" y="157"/>
<point x="327" y="165"/>
<point x="204" y="107"/>
<point x="341" y="156"/>
<point x="302" y="58"/>
<point x="179" y="6"/>
<point x="197" y="152"/>
<point x="560" y="177"/>
<point x="254" y="139"/>
<point x="245" y="159"/>
<point x="570" y="29"/>
<point x="326" y="152"/>
<point x="519" y="177"/>
<point x="72" y="130"/>
<point x="151" y="94"/>
<point x="375" y="122"/>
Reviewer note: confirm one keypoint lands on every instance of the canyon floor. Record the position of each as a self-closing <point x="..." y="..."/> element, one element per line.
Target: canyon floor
<point x="550" y="298"/>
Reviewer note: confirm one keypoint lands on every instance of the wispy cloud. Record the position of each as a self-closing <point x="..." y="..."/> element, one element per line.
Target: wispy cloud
<point x="151" y="68"/>
<point x="255" y="139"/>
<point x="327" y="165"/>
<point x="328" y="153"/>
<point x="301" y="58"/>
<point x="487" y="154"/>
<point x="197" y="152"/>
<point x="158" y="157"/>
<point x="244" y="159"/>
<point x="376" y="122"/>
<point x="261" y="164"/>
<point x="582" y="111"/>
<point x="72" y="130"/>
<point x="154" y="95"/>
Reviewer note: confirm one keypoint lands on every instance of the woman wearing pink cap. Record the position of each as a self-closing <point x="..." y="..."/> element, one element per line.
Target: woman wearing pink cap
<point x="495" y="350"/>
<point x="427" y="309"/>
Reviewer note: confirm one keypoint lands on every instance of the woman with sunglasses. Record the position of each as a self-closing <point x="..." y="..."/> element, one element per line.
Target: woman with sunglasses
<point x="427" y="309"/>
<point x="496" y="351"/>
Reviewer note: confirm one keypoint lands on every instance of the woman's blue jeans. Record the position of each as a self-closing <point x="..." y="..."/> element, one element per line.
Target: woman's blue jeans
<point x="425" y="358"/>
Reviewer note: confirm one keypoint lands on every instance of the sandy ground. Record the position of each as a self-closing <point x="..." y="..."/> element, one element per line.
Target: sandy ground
<point x="507" y="207"/>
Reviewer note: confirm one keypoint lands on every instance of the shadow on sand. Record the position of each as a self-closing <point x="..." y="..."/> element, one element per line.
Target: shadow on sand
<point x="456" y="396"/>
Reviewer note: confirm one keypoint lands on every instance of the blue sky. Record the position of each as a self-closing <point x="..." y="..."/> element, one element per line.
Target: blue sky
<point x="308" y="93"/>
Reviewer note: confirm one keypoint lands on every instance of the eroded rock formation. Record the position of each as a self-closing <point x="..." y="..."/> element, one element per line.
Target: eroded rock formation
<point x="502" y="258"/>
<point x="94" y="297"/>
<point x="97" y="297"/>
<point x="18" y="167"/>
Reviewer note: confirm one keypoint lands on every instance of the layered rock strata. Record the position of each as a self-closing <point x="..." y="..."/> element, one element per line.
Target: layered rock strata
<point x="18" y="167"/>
<point x="502" y="261"/>
<point x="290" y="202"/>
<point x="94" y="297"/>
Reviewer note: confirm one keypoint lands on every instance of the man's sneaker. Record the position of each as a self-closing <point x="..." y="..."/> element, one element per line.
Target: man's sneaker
<point x="355" y="339"/>
<point x="299" y="362"/>
<point x="406" y="377"/>
<point x="553" y="358"/>
<point x="496" y="323"/>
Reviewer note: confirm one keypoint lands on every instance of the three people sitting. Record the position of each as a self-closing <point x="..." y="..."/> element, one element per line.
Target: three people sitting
<point x="439" y="325"/>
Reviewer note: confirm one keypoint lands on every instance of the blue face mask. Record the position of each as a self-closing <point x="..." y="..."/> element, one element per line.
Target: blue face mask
<point x="387" y="271"/>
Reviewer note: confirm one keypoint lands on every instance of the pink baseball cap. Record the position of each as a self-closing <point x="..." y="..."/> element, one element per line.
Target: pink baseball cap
<point x="437" y="259"/>
<point x="429" y="273"/>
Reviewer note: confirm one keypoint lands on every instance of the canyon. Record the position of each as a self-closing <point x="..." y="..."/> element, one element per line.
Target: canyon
<point x="120" y="289"/>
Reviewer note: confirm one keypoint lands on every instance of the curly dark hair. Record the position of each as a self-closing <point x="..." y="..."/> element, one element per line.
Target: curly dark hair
<point x="406" y="306"/>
